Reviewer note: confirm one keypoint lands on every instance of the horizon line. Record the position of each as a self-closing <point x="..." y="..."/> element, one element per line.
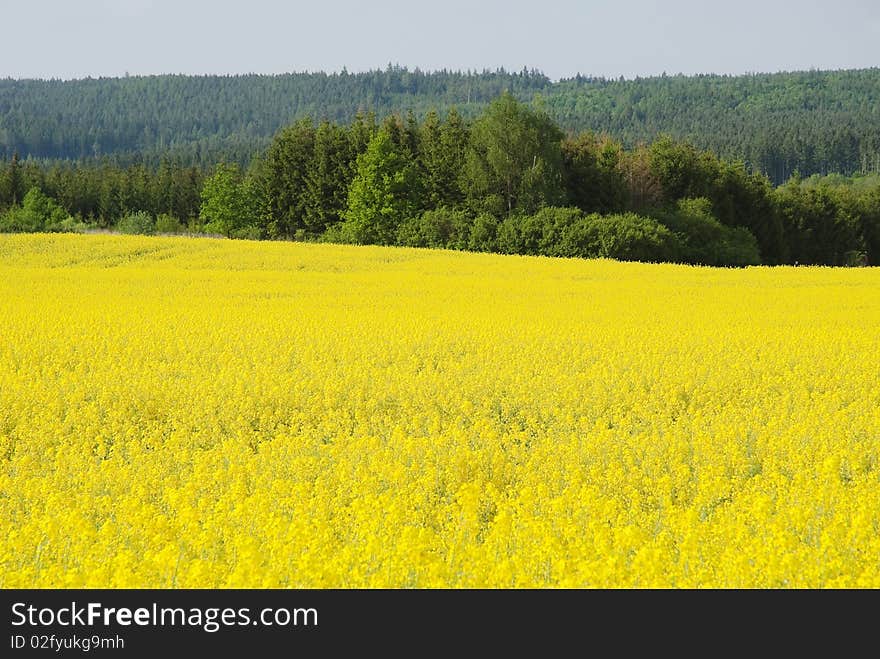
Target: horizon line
<point x="428" y="72"/>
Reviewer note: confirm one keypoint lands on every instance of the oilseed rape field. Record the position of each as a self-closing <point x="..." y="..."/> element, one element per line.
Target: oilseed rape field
<point x="210" y="413"/>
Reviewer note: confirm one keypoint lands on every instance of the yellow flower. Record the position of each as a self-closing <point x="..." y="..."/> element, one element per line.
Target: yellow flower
<point x="204" y="413"/>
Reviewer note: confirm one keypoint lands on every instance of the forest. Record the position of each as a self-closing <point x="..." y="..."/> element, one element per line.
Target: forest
<point x="814" y="122"/>
<point x="508" y="180"/>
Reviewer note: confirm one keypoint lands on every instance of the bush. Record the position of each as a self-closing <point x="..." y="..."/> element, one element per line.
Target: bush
<point x="140" y="223"/>
<point x="338" y="234"/>
<point x="68" y="225"/>
<point x="704" y="240"/>
<point x="166" y="223"/>
<point x="195" y="226"/>
<point x="531" y="234"/>
<point x="482" y="234"/>
<point x="408" y="233"/>
<point x="555" y="231"/>
<point x="553" y="222"/>
<point x="440" y="228"/>
<point x="36" y="213"/>
<point x="249" y="232"/>
<point x="509" y="239"/>
<point x="871" y="225"/>
<point x="538" y="234"/>
<point x="18" y="220"/>
<point x="528" y="234"/>
<point x="738" y="247"/>
<point x="625" y="237"/>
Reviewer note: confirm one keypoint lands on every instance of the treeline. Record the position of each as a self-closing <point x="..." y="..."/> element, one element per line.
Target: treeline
<point x="201" y="118"/>
<point x="813" y="122"/>
<point x="777" y="124"/>
<point x="510" y="181"/>
<point x="100" y="194"/>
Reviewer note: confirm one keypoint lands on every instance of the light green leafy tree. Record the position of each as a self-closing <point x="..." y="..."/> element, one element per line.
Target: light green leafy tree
<point x="228" y="203"/>
<point x="381" y="195"/>
<point x="515" y="157"/>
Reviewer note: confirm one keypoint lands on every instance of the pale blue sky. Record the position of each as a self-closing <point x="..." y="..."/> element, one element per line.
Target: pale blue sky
<point x="78" y="38"/>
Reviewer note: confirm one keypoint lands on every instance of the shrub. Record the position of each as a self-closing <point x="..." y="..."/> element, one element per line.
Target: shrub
<point x="37" y="212"/>
<point x="738" y="247"/>
<point x="625" y="237"/>
<point x="440" y="228"/>
<point x="166" y="223"/>
<point x="531" y="234"/>
<point x="338" y="233"/>
<point x="704" y="240"/>
<point x="538" y="234"/>
<point x="509" y="238"/>
<point x="408" y="233"/>
<point x="18" y="220"/>
<point x="139" y="222"/>
<point x="553" y="223"/>
<point x="482" y="234"/>
<point x="195" y="225"/>
<point x="249" y="232"/>
<point x="68" y="225"/>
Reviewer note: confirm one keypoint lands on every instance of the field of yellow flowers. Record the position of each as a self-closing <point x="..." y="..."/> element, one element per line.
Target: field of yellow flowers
<point x="207" y="413"/>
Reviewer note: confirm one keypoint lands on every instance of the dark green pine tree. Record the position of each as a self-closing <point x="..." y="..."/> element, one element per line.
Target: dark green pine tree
<point x="410" y="136"/>
<point x="431" y="160"/>
<point x="328" y="176"/>
<point x="441" y="158"/>
<point x="280" y="181"/>
<point x="593" y="178"/>
<point x="362" y="130"/>
<point x="16" y="194"/>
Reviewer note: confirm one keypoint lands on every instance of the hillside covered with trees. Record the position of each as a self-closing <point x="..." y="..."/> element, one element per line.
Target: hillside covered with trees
<point x="511" y="180"/>
<point x="778" y="124"/>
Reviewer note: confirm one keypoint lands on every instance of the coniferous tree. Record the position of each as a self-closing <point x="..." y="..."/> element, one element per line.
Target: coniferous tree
<point x="593" y="179"/>
<point x="327" y="178"/>
<point x="15" y="180"/>
<point x="281" y="180"/>
<point x="443" y="147"/>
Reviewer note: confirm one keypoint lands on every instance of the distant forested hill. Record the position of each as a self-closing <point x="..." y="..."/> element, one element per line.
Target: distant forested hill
<point x="812" y="122"/>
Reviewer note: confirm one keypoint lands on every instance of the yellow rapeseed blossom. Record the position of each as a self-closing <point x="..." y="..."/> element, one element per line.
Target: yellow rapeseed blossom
<point x="205" y="413"/>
